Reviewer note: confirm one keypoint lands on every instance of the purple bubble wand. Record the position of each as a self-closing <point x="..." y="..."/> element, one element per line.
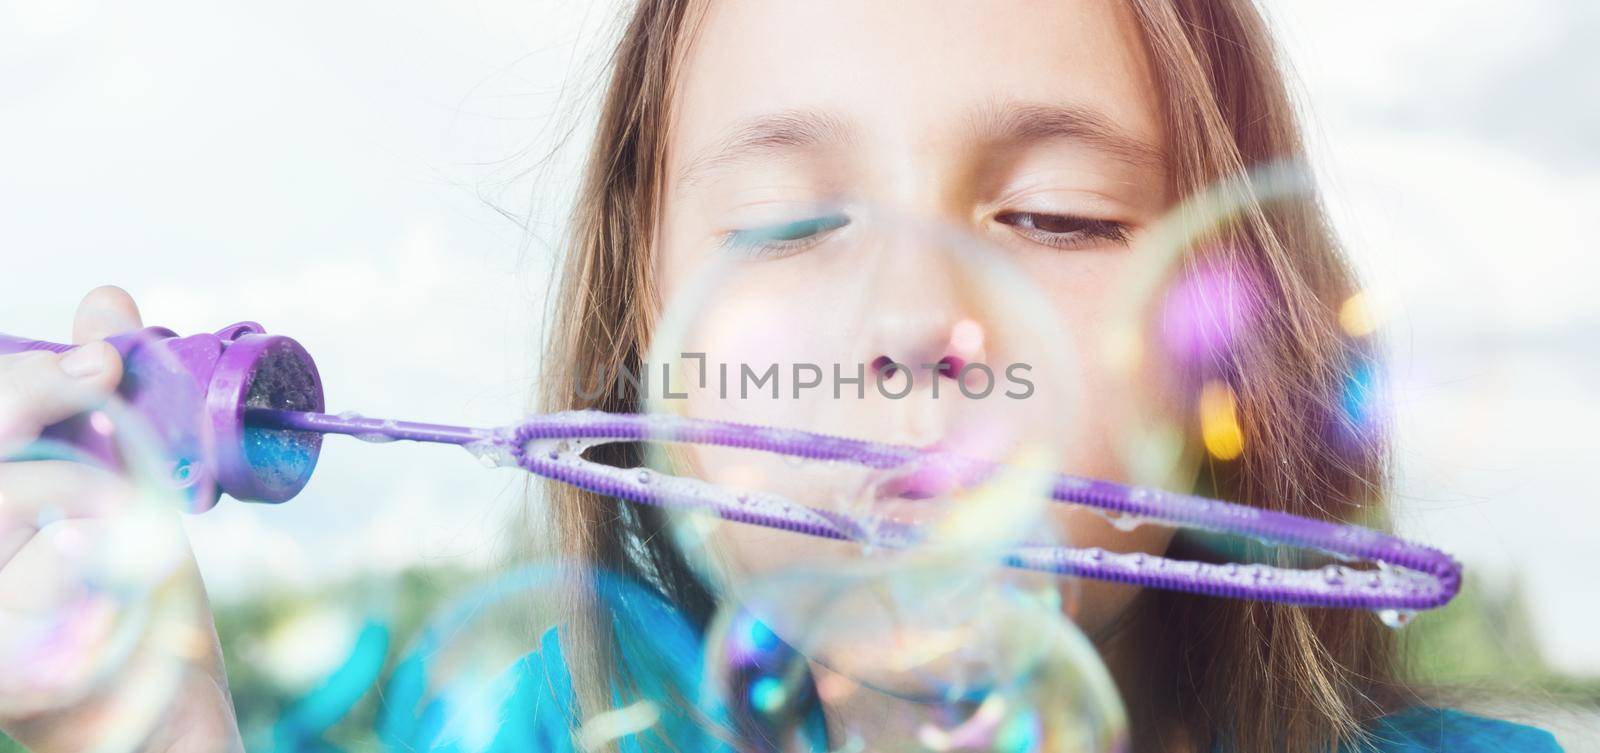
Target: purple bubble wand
<point x="240" y="411"/>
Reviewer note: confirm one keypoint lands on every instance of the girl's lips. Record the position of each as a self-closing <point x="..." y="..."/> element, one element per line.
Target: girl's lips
<point x="913" y="496"/>
<point x="924" y="482"/>
<point x="938" y="474"/>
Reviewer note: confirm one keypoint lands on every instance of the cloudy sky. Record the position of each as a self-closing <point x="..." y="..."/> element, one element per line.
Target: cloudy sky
<point x="333" y="170"/>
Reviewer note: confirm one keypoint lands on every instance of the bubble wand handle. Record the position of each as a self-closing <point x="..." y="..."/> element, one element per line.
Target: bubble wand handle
<point x="361" y="427"/>
<point x="189" y="395"/>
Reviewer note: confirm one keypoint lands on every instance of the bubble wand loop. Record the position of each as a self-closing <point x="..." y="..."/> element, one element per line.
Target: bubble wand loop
<point x="246" y="407"/>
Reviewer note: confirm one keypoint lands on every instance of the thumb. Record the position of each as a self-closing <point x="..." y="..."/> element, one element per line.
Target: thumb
<point x="107" y="310"/>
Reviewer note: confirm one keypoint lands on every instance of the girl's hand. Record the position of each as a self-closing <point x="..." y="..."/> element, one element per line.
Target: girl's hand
<point x="106" y="639"/>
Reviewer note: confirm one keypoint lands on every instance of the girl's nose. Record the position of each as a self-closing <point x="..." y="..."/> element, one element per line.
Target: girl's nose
<point x="927" y="309"/>
<point x="935" y="348"/>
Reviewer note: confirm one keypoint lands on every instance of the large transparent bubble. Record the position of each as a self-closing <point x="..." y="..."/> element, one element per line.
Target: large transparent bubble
<point x="1202" y="314"/>
<point x="552" y="656"/>
<point x="805" y="653"/>
<point x="865" y="322"/>
<point x="102" y="614"/>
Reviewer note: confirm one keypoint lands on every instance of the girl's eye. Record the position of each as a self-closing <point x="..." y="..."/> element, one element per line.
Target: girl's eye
<point x="1063" y="231"/>
<point x="784" y="238"/>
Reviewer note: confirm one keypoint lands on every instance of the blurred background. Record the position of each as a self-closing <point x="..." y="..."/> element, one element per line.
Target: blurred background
<point x="385" y="183"/>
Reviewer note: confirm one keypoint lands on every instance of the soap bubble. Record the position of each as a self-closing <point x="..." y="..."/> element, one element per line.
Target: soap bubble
<point x="978" y="668"/>
<point x="860" y="322"/>
<point x="1201" y="303"/>
<point x="503" y="667"/>
<point x="770" y="327"/>
<point x="103" y="604"/>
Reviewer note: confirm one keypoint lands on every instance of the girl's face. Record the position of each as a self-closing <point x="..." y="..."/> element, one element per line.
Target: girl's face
<point x="1031" y="125"/>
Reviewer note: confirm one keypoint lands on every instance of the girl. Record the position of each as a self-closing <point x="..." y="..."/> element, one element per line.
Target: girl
<point x="1061" y="131"/>
<point x="1126" y="108"/>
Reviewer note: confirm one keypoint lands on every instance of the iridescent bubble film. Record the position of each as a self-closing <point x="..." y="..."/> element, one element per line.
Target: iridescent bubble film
<point x="102" y="612"/>
<point x="898" y="329"/>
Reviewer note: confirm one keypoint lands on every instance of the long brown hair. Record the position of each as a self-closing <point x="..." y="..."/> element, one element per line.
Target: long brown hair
<point x="1243" y="675"/>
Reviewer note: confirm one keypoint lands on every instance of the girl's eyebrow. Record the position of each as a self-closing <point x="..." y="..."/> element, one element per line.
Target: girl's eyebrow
<point x="1011" y="124"/>
<point x="769" y="135"/>
<point x="1024" y="123"/>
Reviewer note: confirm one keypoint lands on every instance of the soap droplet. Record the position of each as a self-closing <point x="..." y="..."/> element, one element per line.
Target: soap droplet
<point x="1333" y="575"/>
<point x="646" y="476"/>
<point x="375" y="437"/>
<point x="349" y="415"/>
<point x="1125" y="522"/>
<point x="1396" y="618"/>
<point x="490" y="454"/>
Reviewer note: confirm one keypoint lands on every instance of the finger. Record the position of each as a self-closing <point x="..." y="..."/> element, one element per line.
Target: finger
<point x="107" y="310"/>
<point x="36" y="494"/>
<point x="40" y="388"/>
